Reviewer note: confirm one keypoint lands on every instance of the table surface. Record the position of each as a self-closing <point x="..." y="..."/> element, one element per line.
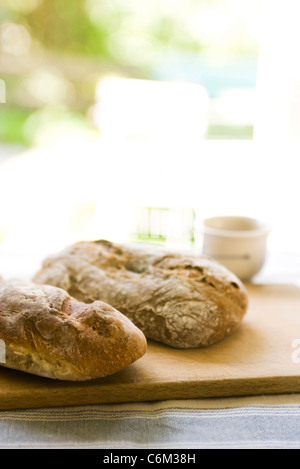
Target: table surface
<point x="243" y="422"/>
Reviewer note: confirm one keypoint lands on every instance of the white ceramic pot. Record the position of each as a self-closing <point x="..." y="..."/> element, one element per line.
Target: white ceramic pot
<point x="239" y="243"/>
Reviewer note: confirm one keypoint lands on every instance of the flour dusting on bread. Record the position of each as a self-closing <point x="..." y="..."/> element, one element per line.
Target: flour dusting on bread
<point x="180" y="299"/>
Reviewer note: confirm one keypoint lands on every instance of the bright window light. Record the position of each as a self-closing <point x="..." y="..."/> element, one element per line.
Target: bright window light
<point x="151" y="110"/>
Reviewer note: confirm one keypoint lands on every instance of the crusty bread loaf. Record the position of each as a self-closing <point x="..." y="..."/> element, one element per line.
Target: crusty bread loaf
<point x="182" y="300"/>
<point x="48" y="333"/>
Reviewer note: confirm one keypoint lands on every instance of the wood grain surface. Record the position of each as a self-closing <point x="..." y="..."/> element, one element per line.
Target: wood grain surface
<point x="255" y="359"/>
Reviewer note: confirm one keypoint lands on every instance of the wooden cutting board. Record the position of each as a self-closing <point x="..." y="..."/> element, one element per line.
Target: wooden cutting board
<point x="261" y="357"/>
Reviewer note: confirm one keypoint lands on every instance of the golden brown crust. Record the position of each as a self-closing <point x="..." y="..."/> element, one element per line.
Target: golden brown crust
<point x="48" y="333"/>
<point x="182" y="300"/>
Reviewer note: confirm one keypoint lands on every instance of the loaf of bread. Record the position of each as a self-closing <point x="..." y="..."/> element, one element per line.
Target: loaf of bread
<point x="48" y="333"/>
<point x="182" y="300"/>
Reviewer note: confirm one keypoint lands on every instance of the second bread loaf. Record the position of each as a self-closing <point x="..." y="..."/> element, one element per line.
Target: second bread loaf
<point x="182" y="300"/>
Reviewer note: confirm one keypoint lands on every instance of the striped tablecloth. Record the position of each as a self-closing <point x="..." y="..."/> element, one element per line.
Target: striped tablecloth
<point x="246" y="422"/>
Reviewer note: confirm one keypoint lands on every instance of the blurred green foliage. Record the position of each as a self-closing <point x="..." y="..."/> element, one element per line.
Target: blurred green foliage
<point x="66" y="26"/>
<point x="12" y="121"/>
<point x="74" y="43"/>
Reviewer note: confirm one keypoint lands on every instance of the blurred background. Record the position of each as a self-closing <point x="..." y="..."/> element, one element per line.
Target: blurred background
<point x="133" y="121"/>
